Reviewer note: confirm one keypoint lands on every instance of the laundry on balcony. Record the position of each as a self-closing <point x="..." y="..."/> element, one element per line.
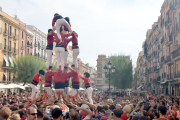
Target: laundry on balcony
<point x="11" y="61"/>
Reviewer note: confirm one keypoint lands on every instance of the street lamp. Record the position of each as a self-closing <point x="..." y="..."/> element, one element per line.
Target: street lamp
<point x="109" y="72"/>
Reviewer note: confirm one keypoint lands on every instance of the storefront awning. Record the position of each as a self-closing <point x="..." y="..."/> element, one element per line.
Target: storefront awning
<point x="11" y="61"/>
<point x="5" y="58"/>
<point x="164" y="82"/>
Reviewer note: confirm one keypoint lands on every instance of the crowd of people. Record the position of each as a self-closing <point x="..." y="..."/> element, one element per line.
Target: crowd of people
<point x="105" y="107"/>
<point x="67" y="102"/>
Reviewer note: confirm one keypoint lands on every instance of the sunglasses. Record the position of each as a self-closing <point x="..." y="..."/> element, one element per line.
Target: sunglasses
<point x="33" y="114"/>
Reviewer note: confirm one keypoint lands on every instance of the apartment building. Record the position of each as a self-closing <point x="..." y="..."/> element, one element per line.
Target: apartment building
<point x="9" y="32"/>
<point x="39" y="42"/>
<point x="161" y="51"/>
<point x="82" y="67"/>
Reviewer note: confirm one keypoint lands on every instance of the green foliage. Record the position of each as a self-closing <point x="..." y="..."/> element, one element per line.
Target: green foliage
<point x="26" y="67"/>
<point x="123" y="75"/>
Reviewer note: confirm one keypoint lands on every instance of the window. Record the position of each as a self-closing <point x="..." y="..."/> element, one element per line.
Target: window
<point x="14" y="47"/>
<point x="5" y="27"/>
<point x="21" y="52"/>
<point x="10" y="30"/>
<point x="4" y="43"/>
<point x="4" y="75"/>
<point x="22" y="44"/>
<point x="9" y="76"/>
<point x="28" y="51"/>
<point x="14" y="32"/>
<point x="177" y="68"/>
<point x="10" y="45"/>
<point x="22" y="34"/>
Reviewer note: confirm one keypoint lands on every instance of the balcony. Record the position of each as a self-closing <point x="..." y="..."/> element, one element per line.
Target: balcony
<point x="4" y="47"/>
<point x="177" y="74"/>
<point x="168" y="60"/>
<point x="15" y="51"/>
<point x="39" y="45"/>
<point x="10" y="49"/>
<point x="15" y="37"/>
<point x="159" y="47"/>
<point x="173" y="8"/>
<point x="168" y="78"/>
<point x="11" y="34"/>
<point x="176" y="54"/>
<point x="177" y="4"/>
<point x="163" y="75"/>
<point x="29" y="44"/>
<point x="35" y="44"/>
<point x="162" y="40"/>
<point x="168" y="22"/>
<point x="5" y="32"/>
<point x="158" y="78"/>
<point x="162" y="59"/>
<point x="169" y="40"/>
<point x="4" y="65"/>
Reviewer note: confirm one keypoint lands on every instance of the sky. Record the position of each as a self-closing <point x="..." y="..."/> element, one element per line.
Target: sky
<point x="103" y="26"/>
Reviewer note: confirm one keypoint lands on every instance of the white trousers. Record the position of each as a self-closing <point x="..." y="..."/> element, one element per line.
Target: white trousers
<point x="66" y="90"/>
<point x="89" y="94"/>
<point x="60" y="56"/>
<point x="65" y="57"/>
<point x="59" y="23"/>
<point x="75" y="55"/>
<point x="73" y="92"/>
<point x="34" y="90"/>
<point x="49" y="58"/>
<point x="49" y="92"/>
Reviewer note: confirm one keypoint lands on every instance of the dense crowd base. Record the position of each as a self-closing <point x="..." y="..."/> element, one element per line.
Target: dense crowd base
<point x="105" y="107"/>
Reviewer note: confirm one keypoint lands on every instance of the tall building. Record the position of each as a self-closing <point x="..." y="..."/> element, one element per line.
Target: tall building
<point x="39" y="42"/>
<point x="25" y="39"/>
<point x="161" y="51"/>
<point x="100" y="79"/>
<point x="9" y="32"/>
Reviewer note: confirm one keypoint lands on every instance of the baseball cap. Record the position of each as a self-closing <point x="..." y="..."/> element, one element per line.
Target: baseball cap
<point x="104" y="117"/>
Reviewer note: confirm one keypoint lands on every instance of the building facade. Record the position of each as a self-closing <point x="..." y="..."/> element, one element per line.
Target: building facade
<point x="9" y="32"/>
<point x="161" y="51"/>
<point x="39" y="42"/>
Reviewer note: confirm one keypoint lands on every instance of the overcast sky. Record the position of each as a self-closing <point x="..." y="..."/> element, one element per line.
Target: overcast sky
<point x="103" y="26"/>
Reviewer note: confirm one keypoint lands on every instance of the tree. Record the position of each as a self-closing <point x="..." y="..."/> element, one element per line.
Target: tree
<point x="26" y="67"/>
<point x="123" y="75"/>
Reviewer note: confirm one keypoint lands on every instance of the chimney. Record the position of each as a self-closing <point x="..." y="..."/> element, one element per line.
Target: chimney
<point x="0" y="8"/>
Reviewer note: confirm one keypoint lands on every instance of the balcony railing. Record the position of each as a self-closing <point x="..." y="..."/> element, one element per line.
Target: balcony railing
<point x="164" y="75"/>
<point x="162" y="59"/>
<point x="162" y="40"/>
<point x="4" y="65"/>
<point x="177" y="74"/>
<point x="168" y="77"/>
<point x="176" y="53"/>
<point x="159" y="78"/>
<point x="5" y="32"/>
<point x="168" y="59"/>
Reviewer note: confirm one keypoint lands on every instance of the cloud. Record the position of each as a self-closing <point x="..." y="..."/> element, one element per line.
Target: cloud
<point x="104" y="26"/>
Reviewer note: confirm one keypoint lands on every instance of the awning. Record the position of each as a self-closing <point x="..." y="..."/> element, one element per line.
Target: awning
<point x="15" y="60"/>
<point x="11" y="61"/>
<point x="139" y="87"/>
<point x="8" y="86"/>
<point x="5" y="58"/>
<point x="164" y="82"/>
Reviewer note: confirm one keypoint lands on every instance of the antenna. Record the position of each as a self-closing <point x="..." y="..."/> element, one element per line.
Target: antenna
<point x="15" y="15"/>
